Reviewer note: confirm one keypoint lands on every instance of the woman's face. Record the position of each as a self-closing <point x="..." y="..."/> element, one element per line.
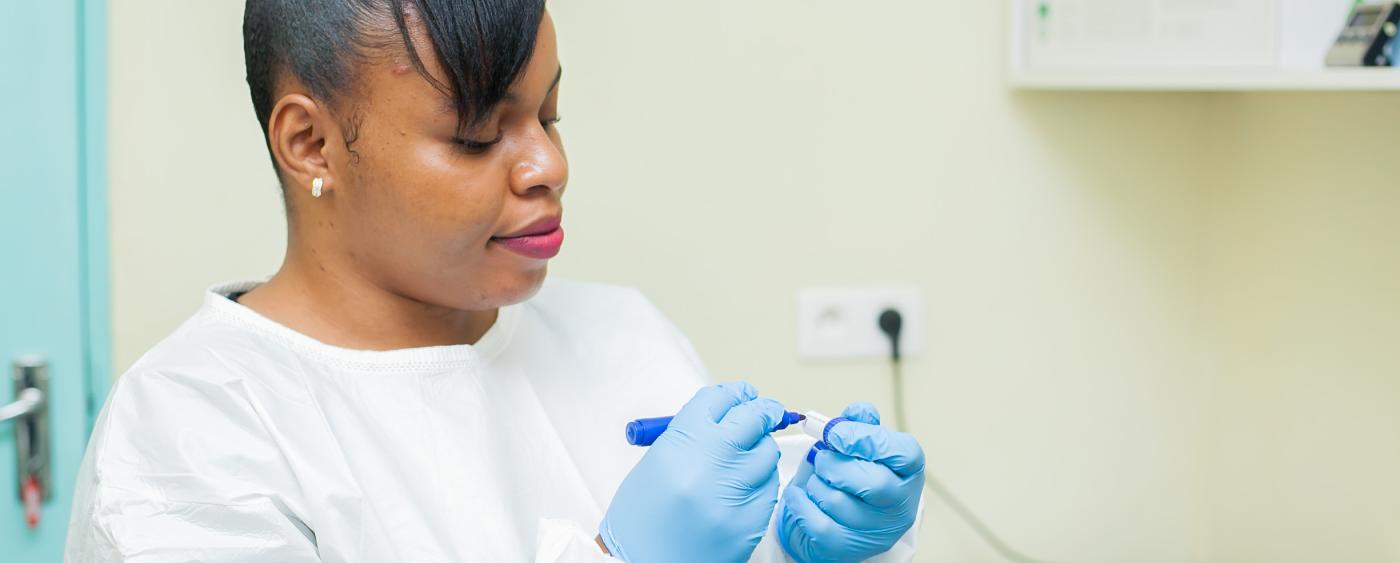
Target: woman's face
<point x="464" y="220"/>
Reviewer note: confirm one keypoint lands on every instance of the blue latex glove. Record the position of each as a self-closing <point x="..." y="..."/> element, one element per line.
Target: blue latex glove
<point x="706" y="489"/>
<point x="862" y="496"/>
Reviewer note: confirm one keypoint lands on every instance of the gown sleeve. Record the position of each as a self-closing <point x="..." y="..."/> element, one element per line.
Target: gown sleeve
<point x="180" y="468"/>
<point x="562" y="541"/>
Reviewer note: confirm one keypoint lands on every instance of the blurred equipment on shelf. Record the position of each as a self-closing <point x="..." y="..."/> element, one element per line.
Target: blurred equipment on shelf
<point x="1368" y="38"/>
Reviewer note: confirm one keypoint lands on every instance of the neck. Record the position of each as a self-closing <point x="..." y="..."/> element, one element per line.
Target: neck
<point x="325" y="297"/>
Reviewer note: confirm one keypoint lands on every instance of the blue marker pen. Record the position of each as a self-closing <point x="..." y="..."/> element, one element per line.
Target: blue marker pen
<point x="645" y="431"/>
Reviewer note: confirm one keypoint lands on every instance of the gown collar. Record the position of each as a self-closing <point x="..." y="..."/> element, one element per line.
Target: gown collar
<point x="217" y="304"/>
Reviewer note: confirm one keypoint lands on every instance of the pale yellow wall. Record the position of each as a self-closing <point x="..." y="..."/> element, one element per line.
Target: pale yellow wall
<point x="1304" y="263"/>
<point x="193" y="198"/>
<point x="1088" y="260"/>
<point x="726" y="153"/>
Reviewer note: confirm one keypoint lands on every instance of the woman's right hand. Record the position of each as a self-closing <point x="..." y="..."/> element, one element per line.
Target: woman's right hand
<point x="705" y="491"/>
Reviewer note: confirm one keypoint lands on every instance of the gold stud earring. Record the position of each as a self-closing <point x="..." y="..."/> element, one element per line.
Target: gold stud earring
<point x="316" y="186"/>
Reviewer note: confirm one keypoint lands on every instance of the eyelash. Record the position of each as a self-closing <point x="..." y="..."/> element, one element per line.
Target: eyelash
<point x="478" y="147"/>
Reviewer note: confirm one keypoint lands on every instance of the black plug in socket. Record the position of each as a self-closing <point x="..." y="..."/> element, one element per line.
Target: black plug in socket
<point x="891" y="323"/>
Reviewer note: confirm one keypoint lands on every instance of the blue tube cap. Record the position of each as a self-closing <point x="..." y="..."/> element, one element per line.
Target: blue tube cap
<point x="645" y="431"/>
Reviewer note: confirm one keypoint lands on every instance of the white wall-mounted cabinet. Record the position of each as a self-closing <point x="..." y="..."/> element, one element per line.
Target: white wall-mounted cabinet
<point x="1205" y="45"/>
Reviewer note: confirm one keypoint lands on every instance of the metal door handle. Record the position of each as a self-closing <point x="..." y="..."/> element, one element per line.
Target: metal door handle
<point x="31" y="427"/>
<point x="30" y="400"/>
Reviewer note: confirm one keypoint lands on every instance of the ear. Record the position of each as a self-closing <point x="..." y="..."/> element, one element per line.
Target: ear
<point x="297" y="132"/>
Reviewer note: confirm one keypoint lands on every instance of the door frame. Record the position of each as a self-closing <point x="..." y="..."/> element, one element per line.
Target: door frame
<point x="95" y="266"/>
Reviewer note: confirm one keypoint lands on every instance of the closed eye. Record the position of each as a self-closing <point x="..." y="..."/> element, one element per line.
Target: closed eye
<point x="473" y="146"/>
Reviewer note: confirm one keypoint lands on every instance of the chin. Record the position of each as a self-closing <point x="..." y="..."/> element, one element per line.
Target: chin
<point x="507" y="288"/>
<point x="528" y="284"/>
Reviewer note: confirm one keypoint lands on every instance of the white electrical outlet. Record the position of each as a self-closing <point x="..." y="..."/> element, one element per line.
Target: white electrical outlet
<point x="843" y="323"/>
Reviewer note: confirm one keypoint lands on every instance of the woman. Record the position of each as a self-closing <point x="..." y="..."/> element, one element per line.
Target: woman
<point x="408" y="387"/>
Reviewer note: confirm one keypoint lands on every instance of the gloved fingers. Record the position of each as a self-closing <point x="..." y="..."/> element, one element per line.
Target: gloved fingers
<point x="897" y="450"/>
<point x="862" y="412"/>
<point x="746" y="424"/>
<point x="800" y="481"/>
<point x="711" y="403"/>
<point x="872" y="482"/>
<point x="769" y="489"/>
<point x="803" y="523"/>
<point x="757" y="465"/>
<point x="846" y="509"/>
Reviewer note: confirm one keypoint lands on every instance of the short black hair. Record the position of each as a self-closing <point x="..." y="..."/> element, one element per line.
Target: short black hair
<point x="483" y="46"/>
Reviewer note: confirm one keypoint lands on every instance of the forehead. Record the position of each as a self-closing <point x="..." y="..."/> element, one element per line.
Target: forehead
<point x="391" y="77"/>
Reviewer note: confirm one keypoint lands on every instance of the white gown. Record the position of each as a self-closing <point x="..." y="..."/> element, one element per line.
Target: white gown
<point x="238" y="439"/>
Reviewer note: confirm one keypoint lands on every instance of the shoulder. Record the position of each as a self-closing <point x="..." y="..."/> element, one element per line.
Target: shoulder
<point x="196" y="388"/>
<point x="187" y="423"/>
<point x="196" y="350"/>
<point x="181" y="444"/>
<point x="215" y="352"/>
<point x="201" y="389"/>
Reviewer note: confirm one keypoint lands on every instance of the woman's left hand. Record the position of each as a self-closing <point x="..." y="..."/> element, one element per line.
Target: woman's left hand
<point x="863" y="494"/>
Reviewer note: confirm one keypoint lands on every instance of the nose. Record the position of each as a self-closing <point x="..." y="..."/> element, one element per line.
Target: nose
<point x="541" y="167"/>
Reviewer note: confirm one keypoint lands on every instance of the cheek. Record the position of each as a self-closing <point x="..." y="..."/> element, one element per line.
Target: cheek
<point x="430" y="196"/>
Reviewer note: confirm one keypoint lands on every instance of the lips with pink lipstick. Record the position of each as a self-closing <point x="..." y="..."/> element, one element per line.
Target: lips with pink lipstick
<point x="541" y="240"/>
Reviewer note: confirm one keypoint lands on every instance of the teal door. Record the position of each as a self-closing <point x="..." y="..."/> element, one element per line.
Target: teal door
<point x="53" y="267"/>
